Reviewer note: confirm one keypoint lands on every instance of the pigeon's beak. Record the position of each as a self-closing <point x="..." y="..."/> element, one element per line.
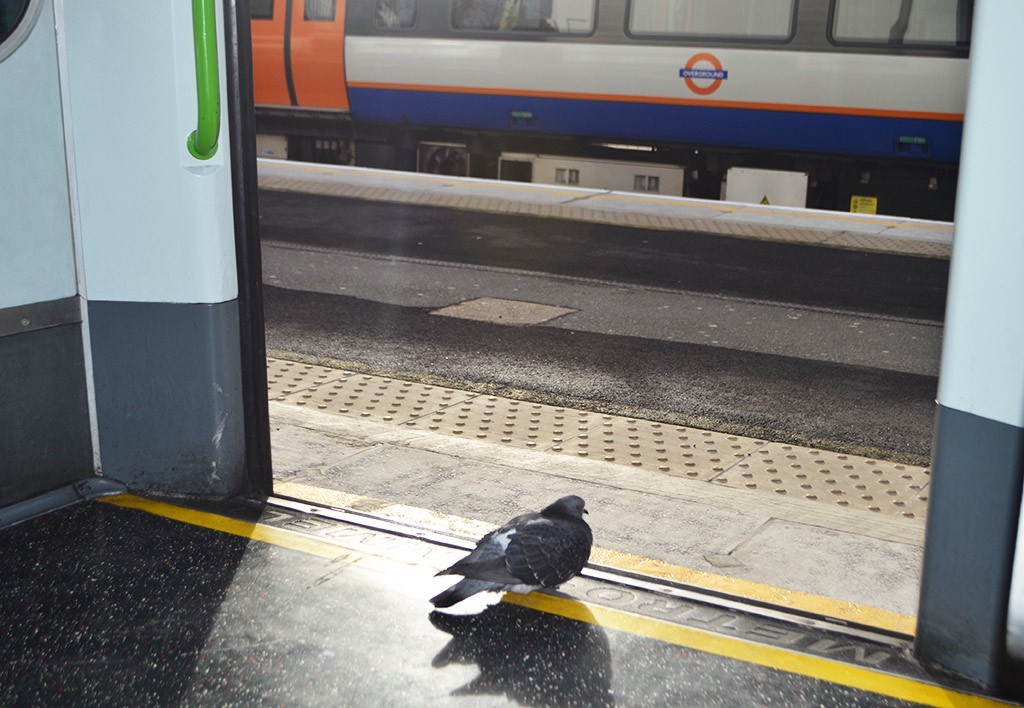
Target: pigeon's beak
<point x="585" y="511"/>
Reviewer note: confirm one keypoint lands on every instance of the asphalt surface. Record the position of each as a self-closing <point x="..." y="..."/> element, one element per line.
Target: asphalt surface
<point x="885" y="284"/>
<point x="356" y="282"/>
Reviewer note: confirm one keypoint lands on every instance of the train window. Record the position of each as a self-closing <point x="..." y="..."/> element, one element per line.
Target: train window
<point x="261" y="9"/>
<point x="318" y="10"/>
<point x="16" y="20"/>
<point x="395" y="14"/>
<point x="898" y="22"/>
<point x="646" y="183"/>
<point x="743" y="19"/>
<point x="565" y="175"/>
<point x="562" y="16"/>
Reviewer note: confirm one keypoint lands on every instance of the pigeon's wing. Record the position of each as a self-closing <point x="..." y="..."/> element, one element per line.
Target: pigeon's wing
<point x="548" y="551"/>
<point x="487" y="560"/>
<point x="494" y="571"/>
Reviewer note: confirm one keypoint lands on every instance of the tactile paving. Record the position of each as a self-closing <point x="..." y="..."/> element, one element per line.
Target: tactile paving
<point x="287" y="377"/>
<point x="669" y="449"/>
<point x="376" y="398"/>
<point x="507" y="421"/>
<point x="816" y="476"/>
<point x="834" y="478"/>
<point x="873" y="242"/>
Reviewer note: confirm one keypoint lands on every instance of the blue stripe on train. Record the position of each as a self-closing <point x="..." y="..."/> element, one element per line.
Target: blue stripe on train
<point x="861" y="136"/>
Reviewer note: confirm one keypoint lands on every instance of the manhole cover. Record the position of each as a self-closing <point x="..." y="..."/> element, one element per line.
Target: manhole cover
<point x="500" y="311"/>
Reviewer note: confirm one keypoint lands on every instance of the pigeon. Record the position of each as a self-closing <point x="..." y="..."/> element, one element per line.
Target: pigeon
<point x="532" y="551"/>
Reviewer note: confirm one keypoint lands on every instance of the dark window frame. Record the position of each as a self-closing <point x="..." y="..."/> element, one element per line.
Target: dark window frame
<point x="377" y="25"/>
<point x="21" y="23"/>
<point x="525" y="31"/>
<point x="964" y="9"/>
<point x="701" y="38"/>
<point x="321" y="5"/>
<point x="256" y="11"/>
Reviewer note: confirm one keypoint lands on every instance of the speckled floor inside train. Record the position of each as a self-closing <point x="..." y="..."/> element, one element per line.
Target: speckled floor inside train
<point x="138" y="602"/>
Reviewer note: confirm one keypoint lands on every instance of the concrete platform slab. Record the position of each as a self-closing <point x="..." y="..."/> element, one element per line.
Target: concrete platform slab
<point x="833" y="229"/>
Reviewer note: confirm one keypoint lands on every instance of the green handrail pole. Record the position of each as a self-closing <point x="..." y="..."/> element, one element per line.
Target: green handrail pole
<point x="202" y="143"/>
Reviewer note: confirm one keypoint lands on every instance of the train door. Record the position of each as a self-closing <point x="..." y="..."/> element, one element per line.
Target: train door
<point x="298" y="48"/>
<point x="46" y="441"/>
<point x="130" y="337"/>
<point x="316" y="61"/>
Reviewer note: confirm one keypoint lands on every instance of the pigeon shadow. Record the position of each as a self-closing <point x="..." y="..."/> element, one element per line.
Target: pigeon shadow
<point x="533" y="658"/>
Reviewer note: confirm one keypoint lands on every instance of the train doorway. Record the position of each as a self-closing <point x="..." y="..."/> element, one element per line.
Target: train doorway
<point x="744" y="394"/>
<point x="42" y="350"/>
<point x="491" y="346"/>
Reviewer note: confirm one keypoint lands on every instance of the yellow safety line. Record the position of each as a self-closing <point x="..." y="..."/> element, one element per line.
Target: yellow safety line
<point x="750" y="590"/>
<point x="258" y="532"/>
<point x="747" y="589"/>
<point x="771" y="657"/>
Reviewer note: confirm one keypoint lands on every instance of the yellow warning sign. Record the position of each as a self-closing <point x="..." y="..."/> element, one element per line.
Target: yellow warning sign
<point x="764" y="200"/>
<point x="863" y="205"/>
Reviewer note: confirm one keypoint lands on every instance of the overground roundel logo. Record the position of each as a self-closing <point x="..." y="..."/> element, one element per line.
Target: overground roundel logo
<point x="692" y="73"/>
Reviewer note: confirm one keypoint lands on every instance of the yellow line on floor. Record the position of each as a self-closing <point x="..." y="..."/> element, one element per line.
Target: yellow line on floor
<point x="729" y="647"/>
<point x="258" y="532"/>
<point x="699" y="640"/>
<point x="747" y="589"/>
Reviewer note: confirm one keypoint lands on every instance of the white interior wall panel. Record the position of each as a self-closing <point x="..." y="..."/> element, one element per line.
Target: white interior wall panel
<point x="171" y="237"/>
<point x="37" y="262"/>
<point x="983" y="353"/>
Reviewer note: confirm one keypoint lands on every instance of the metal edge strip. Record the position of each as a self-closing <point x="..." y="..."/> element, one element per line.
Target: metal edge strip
<point x="249" y="266"/>
<point x="88" y="488"/>
<point x="817" y="607"/>
<point x="40" y="315"/>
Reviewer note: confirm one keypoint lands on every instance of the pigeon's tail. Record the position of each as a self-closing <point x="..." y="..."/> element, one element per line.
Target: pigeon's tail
<point x="460" y="591"/>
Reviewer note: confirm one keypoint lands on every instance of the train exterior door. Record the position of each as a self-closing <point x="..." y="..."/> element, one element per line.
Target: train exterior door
<point x="131" y="342"/>
<point x="971" y="611"/>
<point x="47" y="438"/>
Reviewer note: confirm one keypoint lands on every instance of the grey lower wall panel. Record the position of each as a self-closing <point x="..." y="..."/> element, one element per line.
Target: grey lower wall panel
<point x="44" y="416"/>
<point x="973" y="509"/>
<point x="169" y="396"/>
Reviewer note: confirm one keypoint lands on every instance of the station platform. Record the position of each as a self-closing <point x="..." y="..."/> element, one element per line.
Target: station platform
<point x="861" y="232"/>
<point x="137" y="601"/>
<point x="813" y="531"/>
